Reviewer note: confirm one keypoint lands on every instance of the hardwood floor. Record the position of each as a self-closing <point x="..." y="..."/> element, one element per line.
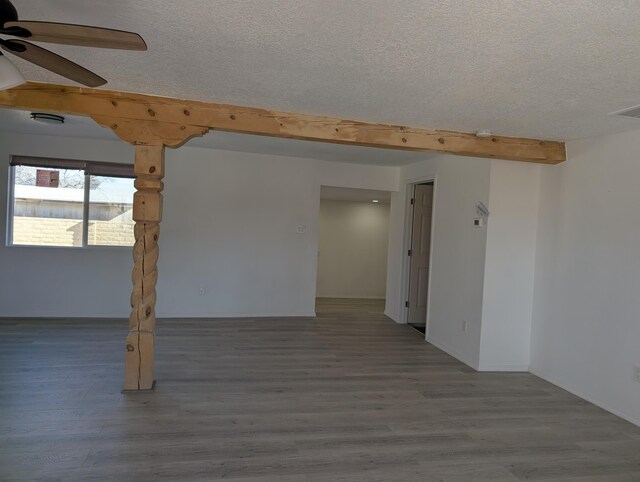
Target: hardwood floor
<point x="347" y="396"/>
<point x="349" y="306"/>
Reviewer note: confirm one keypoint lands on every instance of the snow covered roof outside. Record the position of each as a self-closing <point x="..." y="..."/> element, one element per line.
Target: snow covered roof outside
<point x="118" y="192"/>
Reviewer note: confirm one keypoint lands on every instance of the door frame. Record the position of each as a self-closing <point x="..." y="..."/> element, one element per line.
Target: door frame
<point x="406" y="245"/>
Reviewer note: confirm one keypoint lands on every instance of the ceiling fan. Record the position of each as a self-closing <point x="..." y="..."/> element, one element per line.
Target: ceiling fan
<point x="59" y="33"/>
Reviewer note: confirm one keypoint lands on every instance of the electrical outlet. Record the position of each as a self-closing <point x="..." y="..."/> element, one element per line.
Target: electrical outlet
<point x="465" y="325"/>
<point x="636" y="374"/>
<point x="202" y="291"/>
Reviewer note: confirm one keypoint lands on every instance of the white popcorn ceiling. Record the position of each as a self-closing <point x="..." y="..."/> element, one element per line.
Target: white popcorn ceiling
<point x="537" y="68"/>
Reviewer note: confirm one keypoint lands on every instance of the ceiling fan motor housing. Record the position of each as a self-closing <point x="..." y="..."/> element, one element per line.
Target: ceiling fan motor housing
<point x="8" y="12"/>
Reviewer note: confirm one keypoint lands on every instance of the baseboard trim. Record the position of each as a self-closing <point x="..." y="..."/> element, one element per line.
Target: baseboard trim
<point x="503" y="368"/>
<point x="306" y="314"/>
<point x="161" y="316"/>
<point x="380" y="298"/>
<point x="629" y="418"/>
<point x="393" y="317"/>
<point x="63" y="318"/>
<point x="450" y="351"/>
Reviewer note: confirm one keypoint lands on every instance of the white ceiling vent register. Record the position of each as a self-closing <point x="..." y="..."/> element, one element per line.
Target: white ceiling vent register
<point x="633" y="112"/>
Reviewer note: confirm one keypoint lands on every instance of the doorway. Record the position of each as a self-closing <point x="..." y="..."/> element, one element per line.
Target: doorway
<point x="419" y="254"/>
<point x="353" y="235"/>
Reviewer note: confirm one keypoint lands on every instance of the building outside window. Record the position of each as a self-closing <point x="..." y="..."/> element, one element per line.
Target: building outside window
<point x="70" y="203"/>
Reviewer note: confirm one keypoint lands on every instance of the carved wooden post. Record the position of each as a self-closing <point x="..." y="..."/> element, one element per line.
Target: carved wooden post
<point x="147" y="213"/>
<point x="150" y="138"/>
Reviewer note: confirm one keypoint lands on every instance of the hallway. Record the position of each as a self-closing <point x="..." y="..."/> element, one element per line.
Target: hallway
<point x="325" y="306"/>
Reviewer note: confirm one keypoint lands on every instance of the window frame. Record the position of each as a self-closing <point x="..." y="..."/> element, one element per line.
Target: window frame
<point x="90" y="168"/>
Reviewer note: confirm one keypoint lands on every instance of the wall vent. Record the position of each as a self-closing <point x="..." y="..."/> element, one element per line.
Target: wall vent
<point x="633" y="112"/>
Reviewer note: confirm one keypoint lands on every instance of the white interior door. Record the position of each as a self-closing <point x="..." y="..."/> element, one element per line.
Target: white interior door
<point x="419" y="254"/>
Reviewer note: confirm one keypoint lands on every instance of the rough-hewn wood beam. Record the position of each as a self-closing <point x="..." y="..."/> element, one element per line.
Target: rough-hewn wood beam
<point x="203" y="115"/>
<point x="146" y="132"/>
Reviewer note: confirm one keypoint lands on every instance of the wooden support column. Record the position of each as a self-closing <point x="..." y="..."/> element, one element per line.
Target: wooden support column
<point x="150" y="139"/>
<point x="147" y="214"/>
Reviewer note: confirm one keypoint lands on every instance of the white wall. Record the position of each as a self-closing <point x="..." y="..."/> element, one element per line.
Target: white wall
<point x="509" y="266"/>
<point x="586" y="316"/>
<point x="229" y="225"/>
<point x="458" y="252"/>
<point x="352" y="249"/>
<point x="358" y="176"/>
<point x="61" y="281"/>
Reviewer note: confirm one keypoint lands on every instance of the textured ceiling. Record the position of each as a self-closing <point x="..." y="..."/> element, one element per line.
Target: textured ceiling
<point x="538" y="68"/>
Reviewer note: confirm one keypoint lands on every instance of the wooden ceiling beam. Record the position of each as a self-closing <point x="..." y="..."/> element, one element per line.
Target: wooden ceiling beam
<point x="200" y="116"/>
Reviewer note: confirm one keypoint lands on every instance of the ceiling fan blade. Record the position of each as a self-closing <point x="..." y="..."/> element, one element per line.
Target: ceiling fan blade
<point x="53" y="62"/>
<point x="71" y="34"/>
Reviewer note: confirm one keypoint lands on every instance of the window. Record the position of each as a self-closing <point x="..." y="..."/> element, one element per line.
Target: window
<point x="61" y="202"/>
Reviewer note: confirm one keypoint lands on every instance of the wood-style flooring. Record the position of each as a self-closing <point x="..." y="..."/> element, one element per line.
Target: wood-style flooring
<point x="343" y="306"/>
<point x="347" y="396"/>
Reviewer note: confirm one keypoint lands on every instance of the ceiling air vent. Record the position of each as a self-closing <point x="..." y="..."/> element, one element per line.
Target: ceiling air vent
<point x="633" y="112"/>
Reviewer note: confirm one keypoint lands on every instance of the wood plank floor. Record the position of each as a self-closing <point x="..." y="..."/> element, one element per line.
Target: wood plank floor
<point x="347" y="396"/>
<point x="342" y="306"/>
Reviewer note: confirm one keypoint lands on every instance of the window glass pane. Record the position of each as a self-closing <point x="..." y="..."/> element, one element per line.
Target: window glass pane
<point x="110" y="209"/>
<point x="48" y="206"/>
